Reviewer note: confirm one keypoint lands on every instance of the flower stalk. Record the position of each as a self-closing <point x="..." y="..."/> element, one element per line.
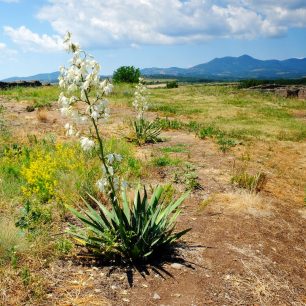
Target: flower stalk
<point x="81" y="84"/>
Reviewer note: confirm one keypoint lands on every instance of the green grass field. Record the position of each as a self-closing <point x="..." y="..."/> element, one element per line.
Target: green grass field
<point x="240" y="113"/>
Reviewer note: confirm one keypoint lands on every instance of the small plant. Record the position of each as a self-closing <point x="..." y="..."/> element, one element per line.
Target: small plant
<point x="188" y="177"/>
<point x="172" y="84"/>
<point x="63" y="246"/>
<point x="165" y="160"/>
<point x="225" y="143"/>
<point x="253" y="183"/>
<point x="208" y="132"/>
<point x="179" y="148"/>
<point x="25" y="275"/>
<point x="33" y="215"/>
<point x="166" y="124"/>
<point x="11" y="240"/>
<point x="1" y="119"/>
<point x="135" y="231"/>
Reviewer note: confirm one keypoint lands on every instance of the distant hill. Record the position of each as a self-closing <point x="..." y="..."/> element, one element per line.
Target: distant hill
<point x="42" y="77"/>
<point x="221" y="69"/>
<point x="237" y="68"/>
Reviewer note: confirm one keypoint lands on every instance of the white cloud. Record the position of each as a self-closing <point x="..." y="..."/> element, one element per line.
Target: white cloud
<point x="112" y="23"/>
<point x="133" y="22"/>
<point x="30" y="41"/>
<point x="6" y="53"/>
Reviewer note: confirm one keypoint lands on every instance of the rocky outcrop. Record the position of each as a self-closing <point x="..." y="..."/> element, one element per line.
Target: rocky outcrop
<point x="6" y="85"/>
<point x="285" y="91"/>
<point x="302" y="93"/>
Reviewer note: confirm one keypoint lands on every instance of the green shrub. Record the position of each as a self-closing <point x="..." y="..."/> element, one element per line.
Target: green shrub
<point x="135" y="231"/>
<point x="187" y="176"/>
<point x="172" y="84"/>
<point x="225" y="143"/>
<point x="166" y="123"/>
<point x="33" y="215"/>
<point x="165" y="160"/>
<point x="126" y="74"/>
<point x="209" y="131"/>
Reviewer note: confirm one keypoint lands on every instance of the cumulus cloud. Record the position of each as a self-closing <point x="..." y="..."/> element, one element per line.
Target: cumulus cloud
<point x="31" y="41"/>
<point x="112" y="23"/>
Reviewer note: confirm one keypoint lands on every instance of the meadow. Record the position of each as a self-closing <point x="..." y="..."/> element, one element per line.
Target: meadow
<point x="240" y="153"/>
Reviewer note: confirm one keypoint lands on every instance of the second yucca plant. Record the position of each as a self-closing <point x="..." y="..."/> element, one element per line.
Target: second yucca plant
<point x="145" y="131"/>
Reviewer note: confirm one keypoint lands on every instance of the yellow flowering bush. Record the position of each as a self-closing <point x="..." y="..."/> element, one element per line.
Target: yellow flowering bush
<point x="46" y="167"/>
<point x="40" y="176"/>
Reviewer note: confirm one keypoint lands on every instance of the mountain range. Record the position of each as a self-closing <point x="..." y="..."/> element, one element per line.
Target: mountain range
<point x="226" y="68"/>
<point x="237" y="68"/>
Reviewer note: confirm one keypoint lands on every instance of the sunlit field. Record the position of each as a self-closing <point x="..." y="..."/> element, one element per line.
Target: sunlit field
<point x="237" y="154"/>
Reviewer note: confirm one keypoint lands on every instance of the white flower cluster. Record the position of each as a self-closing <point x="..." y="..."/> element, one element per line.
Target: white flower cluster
<point x="140" y="102"/>
<point x="78" y="81"/>
<point x="109" y="171"/>
<point x="81" y="85"/>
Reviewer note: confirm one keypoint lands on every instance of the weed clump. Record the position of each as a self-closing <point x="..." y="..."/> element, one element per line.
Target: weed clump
<point x="187" y="176"/>
<point x="253" y="183"/>
<point x="12" y="240"/>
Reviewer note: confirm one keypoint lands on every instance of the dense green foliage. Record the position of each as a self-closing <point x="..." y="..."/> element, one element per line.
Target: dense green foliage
<point x="126" y="74"/>
<point x="172" y="84"/>
<point x="135" y="230"/>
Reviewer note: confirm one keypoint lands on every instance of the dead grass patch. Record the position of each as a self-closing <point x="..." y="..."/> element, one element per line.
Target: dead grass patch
<point x="244" y="202"/>
<point x="262" y="280"/>
<point x="42" y="115"/>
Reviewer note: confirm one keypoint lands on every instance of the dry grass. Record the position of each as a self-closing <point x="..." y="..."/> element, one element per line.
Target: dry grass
<point x="244" y="202"/>
<point x="11" y="240"/>
<point x="261" y="281"/>
<point x="42" y="115"/>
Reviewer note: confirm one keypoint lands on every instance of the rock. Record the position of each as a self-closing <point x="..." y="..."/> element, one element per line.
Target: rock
<point x="302" y="93"/>
<point x="177" y="295"/>
<point x="177" y="266"/>
<point x="287" y="92"/>
<point x="30" y="108"/>
<point x="156" y="296"/>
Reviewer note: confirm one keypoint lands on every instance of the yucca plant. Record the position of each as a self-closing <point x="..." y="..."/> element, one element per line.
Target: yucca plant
<point x="135" y="230"/>
<point x="146" y="131"/>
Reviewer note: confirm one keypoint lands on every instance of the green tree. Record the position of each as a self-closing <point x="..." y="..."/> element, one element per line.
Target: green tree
<point x="126" y="74"/>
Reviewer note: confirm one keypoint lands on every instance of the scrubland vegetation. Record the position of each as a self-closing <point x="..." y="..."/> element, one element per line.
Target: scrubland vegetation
<point x="227" y="152"/>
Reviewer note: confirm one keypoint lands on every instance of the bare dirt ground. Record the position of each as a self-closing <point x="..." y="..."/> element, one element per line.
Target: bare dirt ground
<point x="243" y="249"/>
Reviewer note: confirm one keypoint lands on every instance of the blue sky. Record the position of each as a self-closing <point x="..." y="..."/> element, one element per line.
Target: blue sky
<point x="147" y="33"/>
